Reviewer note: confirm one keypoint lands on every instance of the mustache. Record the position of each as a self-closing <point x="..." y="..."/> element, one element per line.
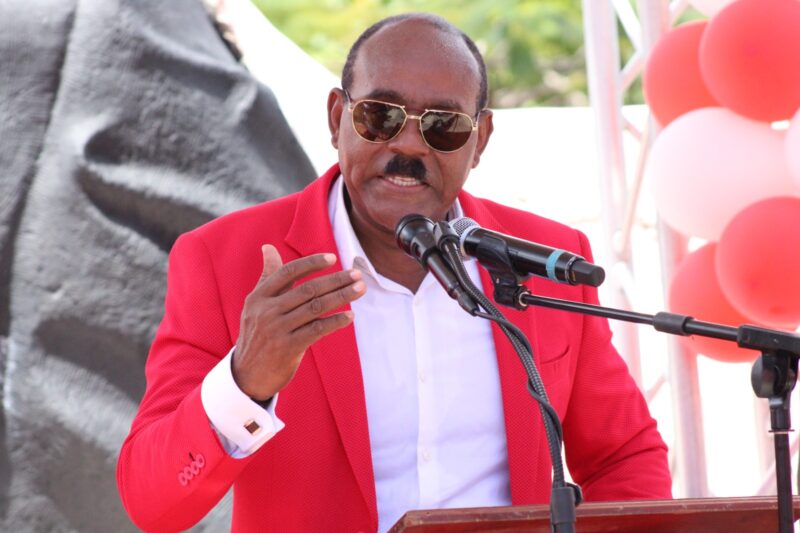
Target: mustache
<point x="406" y="166"/>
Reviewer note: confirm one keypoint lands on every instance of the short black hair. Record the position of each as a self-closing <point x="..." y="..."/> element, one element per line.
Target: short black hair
<point x="437" y="22"/>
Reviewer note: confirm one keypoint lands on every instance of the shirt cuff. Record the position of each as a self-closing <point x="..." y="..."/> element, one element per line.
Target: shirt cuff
<point x="242" y="424"/>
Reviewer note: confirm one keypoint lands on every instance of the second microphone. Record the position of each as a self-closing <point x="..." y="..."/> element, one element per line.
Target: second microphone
<point x="529" y="257"/>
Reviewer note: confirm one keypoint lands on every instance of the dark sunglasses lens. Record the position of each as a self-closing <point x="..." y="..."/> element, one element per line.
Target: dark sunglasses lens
<point x="376" y="121"/>
<point x="446" y="131"/>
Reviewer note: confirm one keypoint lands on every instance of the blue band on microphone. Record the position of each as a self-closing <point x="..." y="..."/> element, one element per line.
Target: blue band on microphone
<point x="550" y="266"/>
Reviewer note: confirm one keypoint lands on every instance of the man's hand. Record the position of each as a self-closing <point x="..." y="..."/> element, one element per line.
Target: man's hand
<point x="280" y="321"/>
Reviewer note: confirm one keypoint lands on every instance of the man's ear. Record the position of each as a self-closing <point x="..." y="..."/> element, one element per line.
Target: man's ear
<point x="485" y="129"/>
<point x="336" y="103"/>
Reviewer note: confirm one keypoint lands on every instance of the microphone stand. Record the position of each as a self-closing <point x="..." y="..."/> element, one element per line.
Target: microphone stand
<point x="773" y="376"/>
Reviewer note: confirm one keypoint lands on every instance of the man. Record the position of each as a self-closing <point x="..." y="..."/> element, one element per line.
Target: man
<point x="353" y="388"/>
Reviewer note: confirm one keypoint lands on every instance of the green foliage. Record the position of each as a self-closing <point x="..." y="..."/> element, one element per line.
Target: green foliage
<point x="533" y="48"/>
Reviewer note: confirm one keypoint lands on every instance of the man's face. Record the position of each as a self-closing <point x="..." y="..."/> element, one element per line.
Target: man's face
<point x="420" y="67"/>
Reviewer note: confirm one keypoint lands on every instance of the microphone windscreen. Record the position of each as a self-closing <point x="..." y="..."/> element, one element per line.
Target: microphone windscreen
<point x="462" y="226"/>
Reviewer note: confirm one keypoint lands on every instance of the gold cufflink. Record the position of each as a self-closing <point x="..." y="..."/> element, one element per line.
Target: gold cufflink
<point x="252" y="426"/>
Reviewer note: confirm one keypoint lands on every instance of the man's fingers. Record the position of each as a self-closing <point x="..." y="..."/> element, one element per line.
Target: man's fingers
<point x="284" y="277"/>
<point x="317" y="288"/>
<point x="316" y="307"/>
<point x="313" y="331"/>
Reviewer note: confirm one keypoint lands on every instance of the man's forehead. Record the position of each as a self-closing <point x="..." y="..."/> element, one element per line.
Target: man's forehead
<point x="415" y="52"/>
<point x="405" y="39"/>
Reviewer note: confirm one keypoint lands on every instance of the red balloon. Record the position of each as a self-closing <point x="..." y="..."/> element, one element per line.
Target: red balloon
<point x="758" y="261"/>
<point x="672" y="81"/>
<point x="694" y="291"/>
<point x="750" y="58"/>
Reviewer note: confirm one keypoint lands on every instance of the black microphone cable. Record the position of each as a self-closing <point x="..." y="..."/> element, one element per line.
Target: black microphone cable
<point x="436" y="247"/>
<point x="564" y="496"/>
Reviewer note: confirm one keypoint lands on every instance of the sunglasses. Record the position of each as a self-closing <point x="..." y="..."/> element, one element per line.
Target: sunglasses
<point x="380" y="122"/>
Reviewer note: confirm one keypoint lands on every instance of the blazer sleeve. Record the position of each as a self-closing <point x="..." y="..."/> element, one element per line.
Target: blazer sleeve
<point x="612" y="444"/>
<point x="172" y="469"/>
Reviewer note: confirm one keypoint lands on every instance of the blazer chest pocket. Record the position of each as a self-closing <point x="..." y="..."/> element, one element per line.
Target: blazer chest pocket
<point x="554" y="363"/>
<point x="554" y="351"/>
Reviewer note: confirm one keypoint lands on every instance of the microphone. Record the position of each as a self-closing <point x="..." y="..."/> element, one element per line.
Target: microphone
<point x="414" y="234"/>
<point x="527" y="257"/>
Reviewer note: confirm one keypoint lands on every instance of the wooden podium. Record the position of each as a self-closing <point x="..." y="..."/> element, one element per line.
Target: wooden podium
<point x="751" y="515"/>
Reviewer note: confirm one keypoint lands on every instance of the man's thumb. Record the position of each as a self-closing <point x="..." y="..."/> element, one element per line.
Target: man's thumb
<point x="272" y="260"/>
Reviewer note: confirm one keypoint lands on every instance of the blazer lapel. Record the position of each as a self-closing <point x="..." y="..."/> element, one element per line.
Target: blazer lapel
<point x="527" y="460"/>
<point x="336" y="355"/>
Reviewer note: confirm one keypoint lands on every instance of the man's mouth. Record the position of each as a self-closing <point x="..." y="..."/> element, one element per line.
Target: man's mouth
<point x="403" y="181"/>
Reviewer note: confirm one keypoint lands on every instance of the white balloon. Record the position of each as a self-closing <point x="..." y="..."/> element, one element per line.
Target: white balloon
<point x="711" y="163"/>
<point x="710" y="8"/>
<point x="792" y="146"/>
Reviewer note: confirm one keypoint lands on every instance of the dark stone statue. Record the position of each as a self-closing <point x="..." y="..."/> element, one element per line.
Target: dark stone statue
<point x="123" y="123"/>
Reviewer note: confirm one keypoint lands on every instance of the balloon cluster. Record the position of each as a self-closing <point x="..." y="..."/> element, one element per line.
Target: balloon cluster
<point x="722" y="170"/>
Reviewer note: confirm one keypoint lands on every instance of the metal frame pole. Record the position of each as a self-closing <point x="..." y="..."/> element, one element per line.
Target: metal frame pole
<point x="602" y="58"/>
<point x="690" y="463"/>
<point x="607" y="83"/>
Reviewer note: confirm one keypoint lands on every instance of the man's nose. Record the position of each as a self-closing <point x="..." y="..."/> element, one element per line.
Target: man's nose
<point x="409" y="141"/>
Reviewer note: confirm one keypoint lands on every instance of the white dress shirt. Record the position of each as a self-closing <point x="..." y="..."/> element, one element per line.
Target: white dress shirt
<point x="431" y="385"/>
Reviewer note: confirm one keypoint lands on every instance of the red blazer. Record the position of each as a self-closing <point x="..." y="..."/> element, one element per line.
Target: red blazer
<point x="316" y="474"/>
